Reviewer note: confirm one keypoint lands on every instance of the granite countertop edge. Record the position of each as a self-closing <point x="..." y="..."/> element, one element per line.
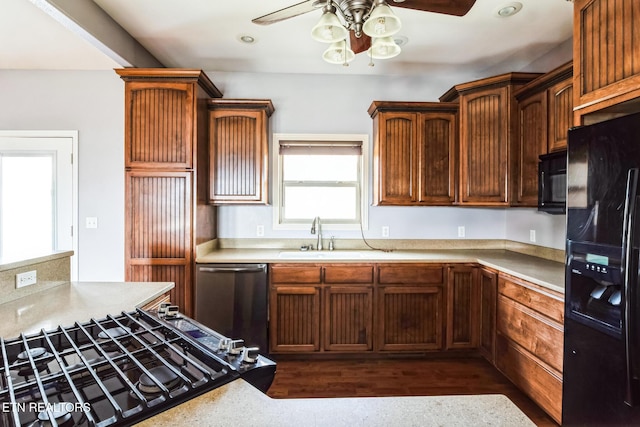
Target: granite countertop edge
<point x="540" y="271"/>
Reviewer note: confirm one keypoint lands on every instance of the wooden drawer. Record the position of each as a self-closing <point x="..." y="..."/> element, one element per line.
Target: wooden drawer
<point x="295" y="274"/>
<point x="410" y="274"/>
<point x="537" y="299"/>
<point x="535" y="333"/>
<point x="541" y="384"/>
<point x="348" y="273"/>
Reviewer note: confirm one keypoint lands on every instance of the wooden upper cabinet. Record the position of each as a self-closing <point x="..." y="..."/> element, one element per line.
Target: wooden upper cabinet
<point x="545" y="111"/>
<point x="161" y="120"/>
<point x="239" y="139"/>
<point x="488" y="135"/>
<point x="414" y="152"/>
<point x="606" y="52"/>
<point x="560" y="116"/>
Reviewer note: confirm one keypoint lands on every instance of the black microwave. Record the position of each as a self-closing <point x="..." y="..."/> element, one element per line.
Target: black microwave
<point x="552" y="182"/>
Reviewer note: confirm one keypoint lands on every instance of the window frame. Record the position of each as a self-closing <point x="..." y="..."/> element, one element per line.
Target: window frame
<point x="277" y="179"/>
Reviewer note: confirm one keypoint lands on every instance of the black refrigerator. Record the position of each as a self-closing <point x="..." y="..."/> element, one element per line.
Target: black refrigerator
<point x="601" y="372"/>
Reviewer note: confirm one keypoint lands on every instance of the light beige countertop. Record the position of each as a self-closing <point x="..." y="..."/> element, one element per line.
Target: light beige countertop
<point x="239" y="404"/>
<point x="75" y="302"/>
<point x="537" y="270"/>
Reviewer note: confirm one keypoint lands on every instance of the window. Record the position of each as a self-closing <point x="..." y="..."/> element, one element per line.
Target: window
<point x="38" y="194"/>
<point x="320" y="175"/>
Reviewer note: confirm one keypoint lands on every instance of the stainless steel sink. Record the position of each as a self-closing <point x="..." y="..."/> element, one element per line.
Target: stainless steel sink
<point x="321" y="255"/>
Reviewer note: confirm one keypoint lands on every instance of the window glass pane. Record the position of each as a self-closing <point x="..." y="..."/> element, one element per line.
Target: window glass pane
<point x="320" y="168"/>
<point x="329" y="203"/>
<point x="26" y="218"/>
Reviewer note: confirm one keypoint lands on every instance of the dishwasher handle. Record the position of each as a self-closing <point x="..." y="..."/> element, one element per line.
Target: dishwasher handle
<point x="252" y="269"/>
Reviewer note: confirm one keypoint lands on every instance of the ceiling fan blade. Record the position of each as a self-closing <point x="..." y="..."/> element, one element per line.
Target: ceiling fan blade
<point x="359" y="44"/>
<point x="448" y="7"/>
<point x="288" y="12"/>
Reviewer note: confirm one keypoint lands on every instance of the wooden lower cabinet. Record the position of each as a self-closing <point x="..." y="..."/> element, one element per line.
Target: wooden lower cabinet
<point x="348" y="318"/>
<point x="488" y="300"/>
<point x="530" y="334"/>
<point x="295" y="319"/>
<point x="463" y="307"/>
<point x="410" y="318"/>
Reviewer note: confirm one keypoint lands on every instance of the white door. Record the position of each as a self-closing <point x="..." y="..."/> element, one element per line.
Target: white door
<point x="38" y="194"/>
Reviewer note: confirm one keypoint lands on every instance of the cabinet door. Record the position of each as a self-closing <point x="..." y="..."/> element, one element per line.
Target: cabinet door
<point x="238" y="156"/>
<point x="606" y="53"/>
<point x="484" y="139"/>
<point x="488" y="295"/>
<point x="532" y="142"/>
<point x="463" y="299"/>
<point x="158" y="224"/>
<point x="437" y="144"/>
<point x="395" y="158"/>
<point x="560" y="115"/>
<point x="410" y="318"/>
<point x="159" y="124"/>
<point x="294" y="324"/>
<point x="348" y="320"/>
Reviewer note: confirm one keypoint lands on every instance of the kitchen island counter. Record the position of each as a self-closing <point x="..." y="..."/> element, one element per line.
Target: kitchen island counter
<point x="240" y="404"/>
<point x="75" y="301"/>
<point x="543" y="272"/>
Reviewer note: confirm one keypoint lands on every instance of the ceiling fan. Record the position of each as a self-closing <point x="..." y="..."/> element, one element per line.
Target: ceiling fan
<point x="356" y="13"/>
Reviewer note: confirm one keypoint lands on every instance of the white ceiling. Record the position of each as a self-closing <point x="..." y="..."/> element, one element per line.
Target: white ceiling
<point x="204" y="34"/>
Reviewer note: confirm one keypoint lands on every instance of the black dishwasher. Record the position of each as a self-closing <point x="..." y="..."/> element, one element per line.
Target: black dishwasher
<point x="232" y="299"/>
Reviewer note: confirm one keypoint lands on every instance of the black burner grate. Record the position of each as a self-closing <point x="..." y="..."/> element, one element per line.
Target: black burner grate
<point x="89" y="374"/>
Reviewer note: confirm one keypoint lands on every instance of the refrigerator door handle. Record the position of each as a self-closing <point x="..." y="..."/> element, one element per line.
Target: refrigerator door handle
<point x="629" y="284"/>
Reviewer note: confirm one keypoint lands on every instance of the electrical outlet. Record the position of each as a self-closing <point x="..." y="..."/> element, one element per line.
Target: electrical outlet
<point x="385" y="231"/>
<point x="461" y="231"/>
<point x="260" y="231"/>
<point x="25" y="279"/>
<point x="532" y="236"/>
<point x="91" y="222"/>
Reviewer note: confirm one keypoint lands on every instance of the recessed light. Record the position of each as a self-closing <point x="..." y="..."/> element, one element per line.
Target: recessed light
<point x="247" y="39"/>
<point x="509" y="9"/>
<point x="400" y="40"/>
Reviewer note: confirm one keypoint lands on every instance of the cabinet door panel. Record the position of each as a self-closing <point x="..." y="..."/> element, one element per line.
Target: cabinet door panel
<point x="484" y="146"/>
<point x="437" y="157"/>
<point x="410" y="274"/>
<point x="488" y="300"/>
<point x="348" y="274"/>
<point x="295" y="274"/>
<point x="410" y="318"/>
<point x="238" y="156"/>
<point x="397" y="158"/>
<point x="159" y="128"/>
<point x="348" y="321"/>
<point x="295" y="319"/>
<point x="463" y="307"/>
<point x="560" y="115"/>
<point x="532" y="143"/>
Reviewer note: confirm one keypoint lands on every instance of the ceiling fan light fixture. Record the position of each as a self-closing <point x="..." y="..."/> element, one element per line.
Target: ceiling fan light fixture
<point x="382" y="22"/>
<point x="383" y="48"/>
<point x="338" y="53"/>
<point x="329" y="29"/>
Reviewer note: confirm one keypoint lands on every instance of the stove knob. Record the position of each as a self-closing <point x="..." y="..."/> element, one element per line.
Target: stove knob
<point x="250" y="354"/>
<point x="162" y="310"/>
<point x="224" y="344"/>
<point x="172" y="311"/>
<point x="235" y="347"/>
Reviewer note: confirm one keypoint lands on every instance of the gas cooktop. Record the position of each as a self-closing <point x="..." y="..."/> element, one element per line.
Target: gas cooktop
<point x="119" y="370"/>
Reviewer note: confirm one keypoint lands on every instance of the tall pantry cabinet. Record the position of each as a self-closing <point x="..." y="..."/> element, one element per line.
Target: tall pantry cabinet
<point x="166" y="176"/>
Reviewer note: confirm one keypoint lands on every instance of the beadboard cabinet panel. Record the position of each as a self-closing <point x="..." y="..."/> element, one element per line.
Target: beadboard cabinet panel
<point x="294" y="319"/>
<point x="463" y="306"/>
<point x="348" y="318"/>
<point x="239" y="153"/>
<point x="532" y="143"/>
<point x="606" y="52"/>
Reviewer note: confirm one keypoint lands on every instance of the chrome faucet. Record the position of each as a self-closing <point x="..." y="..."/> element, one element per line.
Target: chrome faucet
<point x="316" y="228"/>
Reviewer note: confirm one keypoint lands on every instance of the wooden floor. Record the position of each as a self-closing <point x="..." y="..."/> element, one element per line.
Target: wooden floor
<point x="398" y="377"/>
